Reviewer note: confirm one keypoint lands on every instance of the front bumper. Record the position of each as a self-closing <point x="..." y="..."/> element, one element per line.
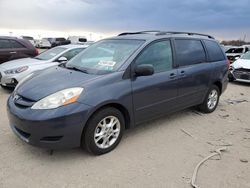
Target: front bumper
<point x="240" y="75"/>
<point x="8" y="80"/>
<point x="53" y="129"/>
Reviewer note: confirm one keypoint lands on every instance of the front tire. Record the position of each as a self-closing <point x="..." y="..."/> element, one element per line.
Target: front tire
<point x="103" y="131"/>
<point x="211" y="100"/>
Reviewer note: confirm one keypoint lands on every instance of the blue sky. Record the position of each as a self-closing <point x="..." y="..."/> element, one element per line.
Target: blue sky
<point x="222" y="18"/>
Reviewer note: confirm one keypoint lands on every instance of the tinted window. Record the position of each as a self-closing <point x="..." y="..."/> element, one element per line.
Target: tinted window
<point x="235" y="50"/>
<point x="4" y="44"/>
<point x="214" y="51"/>
<point x="189" y="52"/>
<point x="71" y="53"/>
<point x="16" y="44"/>
<point x="159" y="55"/>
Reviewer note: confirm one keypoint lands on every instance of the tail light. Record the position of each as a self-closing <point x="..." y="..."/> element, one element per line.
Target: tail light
<point x="36" y="51"/>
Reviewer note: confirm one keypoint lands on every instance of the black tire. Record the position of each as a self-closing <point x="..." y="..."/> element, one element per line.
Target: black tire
<point x="88" y="141"/>
<point x="204" y="106"/>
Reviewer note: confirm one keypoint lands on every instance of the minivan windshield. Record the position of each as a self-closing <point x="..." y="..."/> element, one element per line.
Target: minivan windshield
<point x="234" y="50"/>
<point x="49" y="54"/>
<point x="246" y="56"/>
<point x="105" y="56"/>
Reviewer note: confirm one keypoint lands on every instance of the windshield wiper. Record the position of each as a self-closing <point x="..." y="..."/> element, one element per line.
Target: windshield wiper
<point x="76" y="69"/>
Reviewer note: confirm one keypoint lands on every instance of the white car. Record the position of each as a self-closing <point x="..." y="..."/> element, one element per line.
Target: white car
<point x="240" y="69"/>
<point x="30" y="39"/>
<point x="12" y="72"/>
<point x="236" y="52"/>
<point x="77" y="39"/>
<point x="44" y="43"/>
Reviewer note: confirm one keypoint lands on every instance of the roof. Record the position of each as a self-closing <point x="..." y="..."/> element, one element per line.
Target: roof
<point x="152" y="35"/>
<point x="7" y="37"/>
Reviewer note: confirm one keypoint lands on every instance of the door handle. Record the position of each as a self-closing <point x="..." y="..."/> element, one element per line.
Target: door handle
<point x="182" y="73"/>
<point x="172" y="75"/>
<point x="12" y="52"/>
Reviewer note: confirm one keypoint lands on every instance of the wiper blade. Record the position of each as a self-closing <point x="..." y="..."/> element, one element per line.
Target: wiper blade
<point x="77" y="69"/>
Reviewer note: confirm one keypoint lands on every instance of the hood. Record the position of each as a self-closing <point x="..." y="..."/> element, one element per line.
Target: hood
<point x="52" y="80"/>
<point x="242" y="63"/>
<point x="20" y="62"/>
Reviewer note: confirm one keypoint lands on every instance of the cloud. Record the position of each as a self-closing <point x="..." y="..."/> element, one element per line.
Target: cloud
<point x="126" y="15"/>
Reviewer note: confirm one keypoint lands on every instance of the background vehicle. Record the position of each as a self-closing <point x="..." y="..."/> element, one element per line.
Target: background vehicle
<point x="115" y="84"/>
<point x="15" y="48"/>
<point x="13" y="71"/>
<point x="233" y="53"/>
<point x="44" y="43"/>
<point x="58" y="41"/>
<point x="240" y="69"/>
<point x="77" y="39"/>
<point x="30" y="39"/>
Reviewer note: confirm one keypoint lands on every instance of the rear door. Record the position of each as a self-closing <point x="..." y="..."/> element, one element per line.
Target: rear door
<point x="19" y="50"/>
<point x="155" y="94"/>
<point x="5" y="50"/>
<point x="194" y="71"/>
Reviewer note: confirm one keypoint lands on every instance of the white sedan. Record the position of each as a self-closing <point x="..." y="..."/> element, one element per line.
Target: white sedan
<point x="240" y="69"/>
<point x="12" y="72"/>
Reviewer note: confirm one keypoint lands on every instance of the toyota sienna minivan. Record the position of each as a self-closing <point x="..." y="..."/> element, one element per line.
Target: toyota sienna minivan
<point x="116" y="84"/>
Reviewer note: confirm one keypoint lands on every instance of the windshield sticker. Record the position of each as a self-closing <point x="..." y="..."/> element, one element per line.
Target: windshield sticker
<point x="107" y="63"/>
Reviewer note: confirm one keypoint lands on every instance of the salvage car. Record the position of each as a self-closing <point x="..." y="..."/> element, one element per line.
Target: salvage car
<point x="14" y="71"/>
<point x="240" y="69"/>
<point x="116" y="84"/>
<point x="236" y="52"/>
<point x="15" y="48"/>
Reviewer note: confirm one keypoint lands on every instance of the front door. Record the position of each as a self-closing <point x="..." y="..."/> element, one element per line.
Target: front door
<point x="155" y="94"/>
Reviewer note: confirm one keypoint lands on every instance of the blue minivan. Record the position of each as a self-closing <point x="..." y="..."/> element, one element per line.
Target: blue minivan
<point x="116" y="84"/>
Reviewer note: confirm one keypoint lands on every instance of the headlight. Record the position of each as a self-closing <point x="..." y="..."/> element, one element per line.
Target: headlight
<point x="60" y="98"/>
<point x="16" y="70"/>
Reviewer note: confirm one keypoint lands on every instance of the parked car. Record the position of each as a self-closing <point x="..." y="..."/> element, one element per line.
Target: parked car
<point x="115" y="84"/>
<point x="236" y="52"/>
<point x="13" y="71"/>
<point x="44" y="43"/>
<point x="58" y="42"/>
<point x="30" y="39"/>
<point x="15" y="48"/>
<point x="240" y="69"/>
<point x="77" y="39"/>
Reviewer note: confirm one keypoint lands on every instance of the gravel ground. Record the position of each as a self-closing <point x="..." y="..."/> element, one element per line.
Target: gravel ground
<point x="155" y="154"/>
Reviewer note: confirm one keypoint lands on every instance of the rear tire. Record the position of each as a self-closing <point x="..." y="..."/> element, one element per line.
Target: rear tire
<point x="104" y="131"/>
<point x="211" y="100"/>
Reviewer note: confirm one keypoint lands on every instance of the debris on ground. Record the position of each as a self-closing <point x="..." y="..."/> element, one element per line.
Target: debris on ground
<point x="216" y="152"/>
<point x="244" y="160"/>
<point x="220" y="142"/>
<point x="187" y="133"/>
<point x="230" y="101"/>
<point x="247" y="130"/>
<point x="196" y="112"/>
<point x="224" y="116"/>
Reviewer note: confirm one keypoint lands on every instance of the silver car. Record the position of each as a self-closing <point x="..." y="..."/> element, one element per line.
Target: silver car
<point x="12" y="72"/>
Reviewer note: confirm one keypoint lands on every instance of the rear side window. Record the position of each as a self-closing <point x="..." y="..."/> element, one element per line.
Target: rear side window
<point x="214" y="51"/>
<point x="189" y="52"/>
<point x="5" y="44"/>
<point x="159" y="55"/>
<point x="16" y="44"/>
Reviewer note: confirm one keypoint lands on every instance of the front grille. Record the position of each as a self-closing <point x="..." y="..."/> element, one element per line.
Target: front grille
<point x="21" y="101"/>
<point x="242" y="74"/>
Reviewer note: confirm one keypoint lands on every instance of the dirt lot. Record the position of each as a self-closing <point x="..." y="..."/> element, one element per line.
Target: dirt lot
<point x="155" y="154"/>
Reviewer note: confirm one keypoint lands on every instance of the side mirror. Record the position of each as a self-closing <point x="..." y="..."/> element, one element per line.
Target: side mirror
<point x="62" y="59"/>
<point x="236" y="58"/>
<point x="144" y="70"/>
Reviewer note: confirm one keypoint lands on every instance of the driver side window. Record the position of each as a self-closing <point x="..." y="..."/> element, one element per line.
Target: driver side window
<point x="158" y="54"/>
<point x="72" y="53"/>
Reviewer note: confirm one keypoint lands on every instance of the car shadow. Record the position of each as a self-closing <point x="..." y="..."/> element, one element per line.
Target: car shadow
<point x="240" y="84"/>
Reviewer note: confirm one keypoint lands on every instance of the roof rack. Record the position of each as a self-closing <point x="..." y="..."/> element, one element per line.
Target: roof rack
<point x="139" y="32"/>
<point x="188" y="33"/>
